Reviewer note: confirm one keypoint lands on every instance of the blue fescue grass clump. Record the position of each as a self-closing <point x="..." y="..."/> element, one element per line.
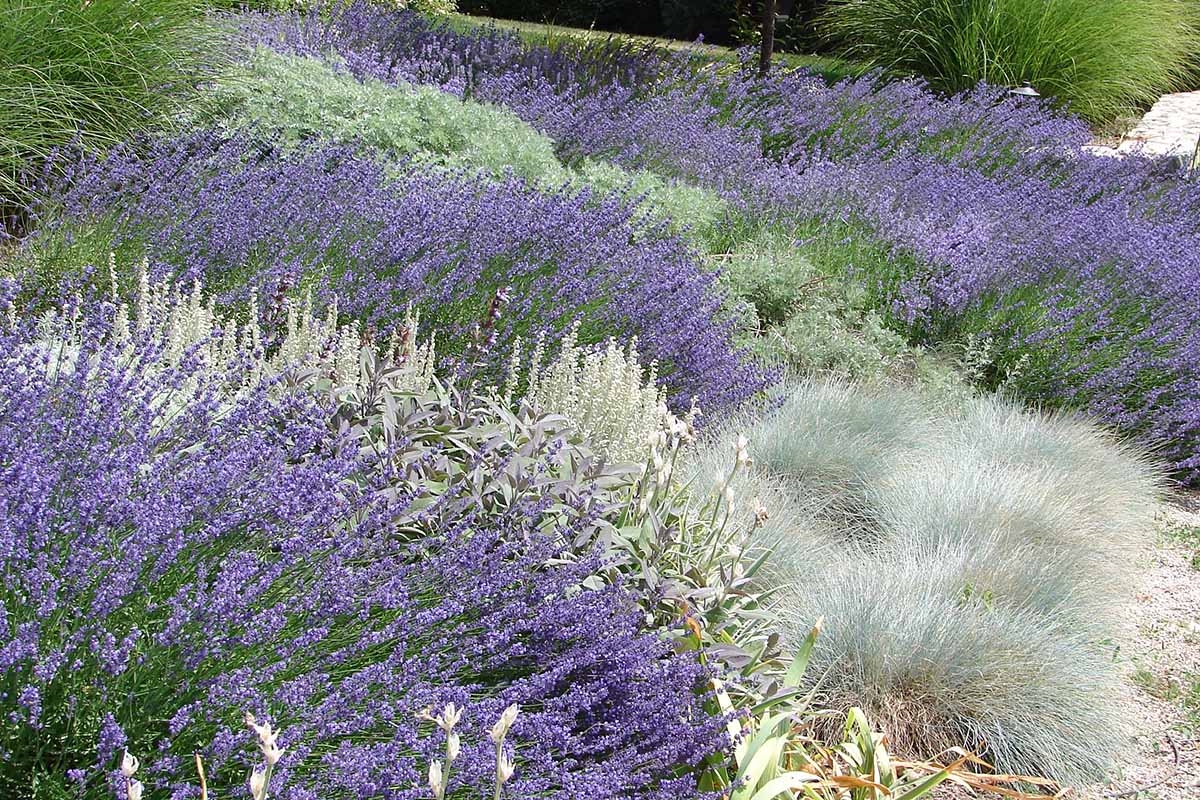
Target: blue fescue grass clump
<point x="969" y="566"/>
<point x="91" y="73"/>
<point x="1100" y="58"/>
<point x="170" y="565"/>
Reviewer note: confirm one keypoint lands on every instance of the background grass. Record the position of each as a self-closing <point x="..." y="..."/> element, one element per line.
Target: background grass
<point x="90" y="73"/>
<point x="1100" y="57"/>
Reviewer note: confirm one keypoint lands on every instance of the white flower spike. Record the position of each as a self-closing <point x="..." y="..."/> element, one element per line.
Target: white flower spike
<point x="500" y="729"/>
<point x="129" y="764"/>
<point x="435" y="779"/>
<point x="258" y="785"/>
<point x="504" y="768"/>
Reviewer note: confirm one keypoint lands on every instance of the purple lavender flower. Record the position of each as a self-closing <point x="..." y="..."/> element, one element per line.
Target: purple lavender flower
<point x="235" y="216"/>
<point x="163" y="575"/>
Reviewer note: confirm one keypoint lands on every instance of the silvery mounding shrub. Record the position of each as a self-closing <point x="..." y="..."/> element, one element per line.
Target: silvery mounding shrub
<point x="293" y="99"/>
<point x="166" y="571"/>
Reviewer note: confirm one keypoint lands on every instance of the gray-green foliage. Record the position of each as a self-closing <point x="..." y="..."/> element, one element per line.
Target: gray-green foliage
<point x="968" y="562"/>
<point x="297" y="99"/>
<point x="806" y="310"/>
<point x="699" y="212"/>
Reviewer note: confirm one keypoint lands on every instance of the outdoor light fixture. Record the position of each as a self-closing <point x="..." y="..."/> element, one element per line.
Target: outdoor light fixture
<point x="1026" y="90"/>
<point x="783" y="8"/>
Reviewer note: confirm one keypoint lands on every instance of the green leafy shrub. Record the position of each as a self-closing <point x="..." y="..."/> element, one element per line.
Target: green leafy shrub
<point x="92" y="73"/>
<point x="1100" y="57"/>
<point x="806" y="308"/>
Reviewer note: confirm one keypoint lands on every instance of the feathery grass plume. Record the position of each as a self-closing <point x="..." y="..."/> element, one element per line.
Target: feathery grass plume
<point x="939" y="667"/>
<point x="1100" y="57"/>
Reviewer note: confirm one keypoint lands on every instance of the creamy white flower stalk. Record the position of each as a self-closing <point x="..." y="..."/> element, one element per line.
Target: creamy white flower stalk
<point x="504" y="765"/>
<point x="272" y="752"/>
<point x="504" y="768"/>
<point x="500" y="729"/>
<point x="258" y="784"/>
<point x="129" y="764"/>
<point x="603" y="392"/>
<point x="666" y="445"/>
<point x="451" y="715"/>
<point x="135" y="790"/>
<point x="437" y="782"/>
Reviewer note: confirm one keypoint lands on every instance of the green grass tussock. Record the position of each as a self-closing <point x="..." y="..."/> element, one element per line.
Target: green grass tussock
<point x="91" y="73"/>
<point x="1100" y="57"/>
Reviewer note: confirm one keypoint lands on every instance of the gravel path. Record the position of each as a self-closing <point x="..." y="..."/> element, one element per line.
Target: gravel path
<point x="1162" y="656"/>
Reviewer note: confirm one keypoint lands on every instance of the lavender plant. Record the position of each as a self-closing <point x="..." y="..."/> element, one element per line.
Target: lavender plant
<point x="330" y="220"/>
<point x="168" y="571"/>
<point x="1000" y="224"/>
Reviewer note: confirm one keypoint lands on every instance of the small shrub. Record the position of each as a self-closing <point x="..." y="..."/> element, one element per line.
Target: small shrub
<point x="1100" y="58"/>
<point x="294" y="99"/>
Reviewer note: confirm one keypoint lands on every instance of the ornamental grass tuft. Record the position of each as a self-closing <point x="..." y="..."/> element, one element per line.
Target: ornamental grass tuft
<point x="969" y="567"/>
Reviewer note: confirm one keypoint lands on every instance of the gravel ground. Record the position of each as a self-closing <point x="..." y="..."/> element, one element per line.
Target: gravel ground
<point x="1161" y="654"/>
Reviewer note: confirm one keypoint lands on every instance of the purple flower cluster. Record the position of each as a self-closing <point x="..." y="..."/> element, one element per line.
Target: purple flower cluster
<point x="235" y="214"/>
<point x="1084" y="269"/>
<point x="164" y="572"/>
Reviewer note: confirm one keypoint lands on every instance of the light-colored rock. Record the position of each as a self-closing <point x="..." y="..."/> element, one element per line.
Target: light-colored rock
<point x="1171" y="128"/>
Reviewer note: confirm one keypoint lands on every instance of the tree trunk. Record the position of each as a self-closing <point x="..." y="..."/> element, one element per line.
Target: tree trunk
<point x="768" y="37"/>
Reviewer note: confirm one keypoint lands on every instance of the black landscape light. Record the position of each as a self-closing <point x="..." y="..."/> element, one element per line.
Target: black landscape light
<point x="783" y="8"/>
<point x="1025" y="90"/>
